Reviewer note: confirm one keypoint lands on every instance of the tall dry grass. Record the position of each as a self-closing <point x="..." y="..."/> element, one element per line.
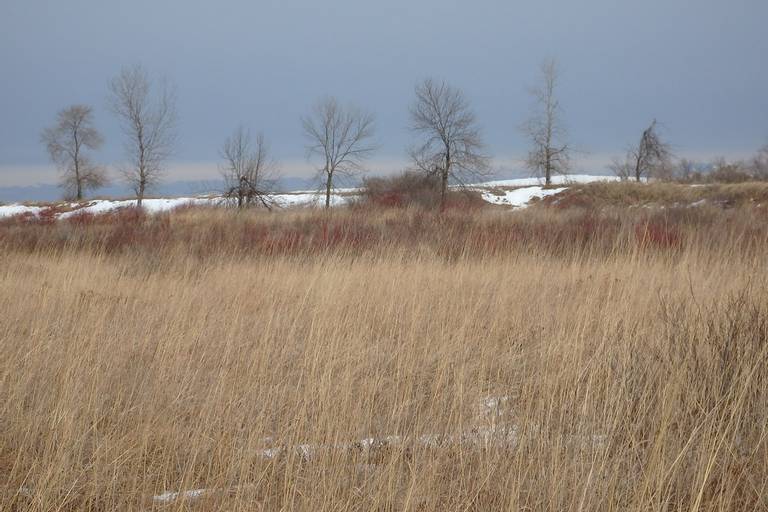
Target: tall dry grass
<point x="389" y="360"/>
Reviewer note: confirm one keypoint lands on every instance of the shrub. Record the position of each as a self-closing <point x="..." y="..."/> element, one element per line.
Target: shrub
<point x="82" y="218"/>
<point x="406" y="189"/>
<point x="657" y="233"/>
<point x="729" y="172"/>
<point x="414" y="189"/>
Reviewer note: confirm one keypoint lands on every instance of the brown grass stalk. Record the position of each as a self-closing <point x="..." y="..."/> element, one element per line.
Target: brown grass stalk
<point x="385" y="360"/>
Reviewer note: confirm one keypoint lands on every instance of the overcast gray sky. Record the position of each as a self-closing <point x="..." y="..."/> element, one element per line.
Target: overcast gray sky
<point x="699" y="66"/>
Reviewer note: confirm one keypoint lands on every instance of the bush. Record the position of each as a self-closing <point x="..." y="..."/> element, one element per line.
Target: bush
<point x="411" y="189"/>
<point x="406" y="189"/>
<point x="725" y="172"/>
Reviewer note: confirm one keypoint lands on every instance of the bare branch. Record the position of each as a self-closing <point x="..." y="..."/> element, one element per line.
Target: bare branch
<point x="550" y="154"/>
<point x="759" y="164"/>
<point x="249" y="172"/>
<point x="149" y="126"/>
<point x="452" y="145"/>
<point x="651" y="156"/>
<point x="67" y="142"/>
<point x="340" y="137"/>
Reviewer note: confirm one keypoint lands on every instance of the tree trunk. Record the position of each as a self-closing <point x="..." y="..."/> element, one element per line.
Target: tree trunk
<point x="443" y="189"/>
<point x="444" y="178"/>
<point x="548" y="168"/>
<point x="78" y="182"/>
<point x="140" y="194"/>
<point x="328" y="185"/>
<point x="142" y="166"/>
<point x="241" y="191"/>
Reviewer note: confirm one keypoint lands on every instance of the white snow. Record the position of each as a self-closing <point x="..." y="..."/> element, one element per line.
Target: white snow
<point x="308" y="199"/>
<point x="524" y="190"/>
<point x="556" y="180"/>
<point x="478" y="435"/>
<point x="169" y="496"/>
<point x="152" y="206"/>
<point x="334" y="190"/>
<point x="10" y="210"/>
<point x="493" y="404"/>
<point x="149" y="205"/>
<point x="519" y="197"/>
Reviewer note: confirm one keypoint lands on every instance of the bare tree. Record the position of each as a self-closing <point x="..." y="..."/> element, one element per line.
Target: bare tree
<point x="149" y="124"/>
<point x="248" y="171"/>
<point x="651" y="154"/>
<point x="67" y="142"/>
<point x="759" y="164"/>
<point x="452" y="149"/>
<point x="687" y="170"/>
<point x="621" y="168"/>
<point x="341" y="137"/>
<point x="724" y="171"/>
<point x="666" y="170"/>
<point x="550" y="154"/>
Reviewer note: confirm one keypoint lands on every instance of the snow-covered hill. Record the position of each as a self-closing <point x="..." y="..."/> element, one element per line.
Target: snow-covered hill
<point x="515" y="192"/>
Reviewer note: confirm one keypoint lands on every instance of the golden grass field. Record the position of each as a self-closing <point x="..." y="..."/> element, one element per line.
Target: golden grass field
<point x="386" y="360"/>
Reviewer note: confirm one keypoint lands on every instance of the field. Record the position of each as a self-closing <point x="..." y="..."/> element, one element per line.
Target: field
<point x="558" y="358"/>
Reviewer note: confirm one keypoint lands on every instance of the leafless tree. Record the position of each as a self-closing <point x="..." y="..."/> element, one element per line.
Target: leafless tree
<point x="549" y="154"/>
<point x="340" y="136"/>
<point x="248" y="171"/>
<point x="667" y="170"/>
<point x="650" y="154"/>
<point x="687" y="170"/>
<point x="621" y="168"/>
<point x="452" y="146"/>
<point x="760" y="164"/>
<point x="67" y="142"/>
<point x="149" y="124"/>
<point x="725" y="171"/>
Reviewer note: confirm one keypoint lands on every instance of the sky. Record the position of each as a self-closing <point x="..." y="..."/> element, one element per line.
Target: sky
<point x="698" y="66"/>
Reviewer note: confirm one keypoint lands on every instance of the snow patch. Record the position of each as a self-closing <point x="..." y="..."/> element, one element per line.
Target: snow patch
<point x="10" y="210"/>
<point x="308" y="199"/>
<point x="556" y="180"/>
<point x="159" y="205"/>
<point x="149" y="205"/>
<point x="520" y="197"/>
<point x="527" y="189"/>
<point x="170" y="496"/>
<point x="480" y="436"/>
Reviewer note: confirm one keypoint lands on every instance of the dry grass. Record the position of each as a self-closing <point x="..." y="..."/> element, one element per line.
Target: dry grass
<point x="538" y="361"/>
<point x="631" y="194"/>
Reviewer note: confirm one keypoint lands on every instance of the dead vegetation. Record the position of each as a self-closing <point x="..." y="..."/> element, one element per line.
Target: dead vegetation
<point x="386" y="359"/>
<point x="661" y="194"/>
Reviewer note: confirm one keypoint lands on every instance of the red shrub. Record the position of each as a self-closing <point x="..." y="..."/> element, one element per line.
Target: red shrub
<point x="390" y="200"/>
<point x="408" y="188"/>
<point x="49" y="215"/>
<point x="124" y="216"/>
<point x="658" y="234"/>
<point x="81" y="218"/>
